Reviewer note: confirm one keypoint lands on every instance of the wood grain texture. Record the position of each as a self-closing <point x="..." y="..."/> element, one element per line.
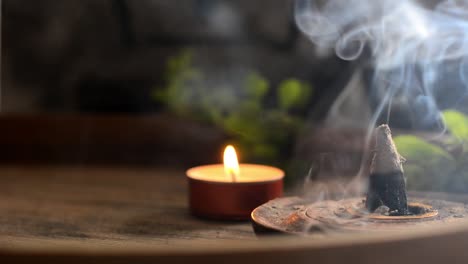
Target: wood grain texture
<point x="139" y="215"/>
<point x="50" y="204"/>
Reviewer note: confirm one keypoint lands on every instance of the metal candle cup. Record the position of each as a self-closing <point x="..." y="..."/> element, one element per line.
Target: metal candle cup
<point x="215" y="196"/>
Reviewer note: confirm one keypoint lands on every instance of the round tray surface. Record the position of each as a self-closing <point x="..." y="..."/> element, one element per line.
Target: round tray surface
<point x="299" y="216"/>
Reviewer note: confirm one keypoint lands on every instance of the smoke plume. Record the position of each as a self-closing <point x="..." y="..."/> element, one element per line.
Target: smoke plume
<point x="417" y="50"/>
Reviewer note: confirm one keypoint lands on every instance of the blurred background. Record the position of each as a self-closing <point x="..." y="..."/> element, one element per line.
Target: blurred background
<point x="160" y="82"/>
<point x="114" y="55"/>
<point x="241" y="67"/>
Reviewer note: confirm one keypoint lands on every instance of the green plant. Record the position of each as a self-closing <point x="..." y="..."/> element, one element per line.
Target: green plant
<point x="439" y="166"/>
<point x="237" y="105"/>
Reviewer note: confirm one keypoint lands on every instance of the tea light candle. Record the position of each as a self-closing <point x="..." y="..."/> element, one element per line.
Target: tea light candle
<point x="231" y="191"/>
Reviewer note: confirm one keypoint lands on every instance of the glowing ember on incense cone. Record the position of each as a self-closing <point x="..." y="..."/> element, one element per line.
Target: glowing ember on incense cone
<point x="386" y="182"/>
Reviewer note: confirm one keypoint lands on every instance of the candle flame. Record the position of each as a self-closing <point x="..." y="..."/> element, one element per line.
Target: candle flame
<point x="231" y="165"/>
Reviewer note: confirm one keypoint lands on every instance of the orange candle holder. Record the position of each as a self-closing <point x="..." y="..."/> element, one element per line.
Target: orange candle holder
<point x="213" y="196"/>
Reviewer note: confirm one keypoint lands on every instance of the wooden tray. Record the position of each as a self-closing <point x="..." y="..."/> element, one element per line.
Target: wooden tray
<point x="63" y="214"/>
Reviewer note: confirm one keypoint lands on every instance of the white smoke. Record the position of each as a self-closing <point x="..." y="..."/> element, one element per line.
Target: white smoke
<point x="409" y="44"/>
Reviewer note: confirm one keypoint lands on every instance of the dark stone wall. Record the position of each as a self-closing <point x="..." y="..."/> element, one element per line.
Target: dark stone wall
<point x="107" y="55"/>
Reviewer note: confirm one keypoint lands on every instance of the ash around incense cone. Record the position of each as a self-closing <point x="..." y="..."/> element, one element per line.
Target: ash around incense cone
<point x="386" y="181"/>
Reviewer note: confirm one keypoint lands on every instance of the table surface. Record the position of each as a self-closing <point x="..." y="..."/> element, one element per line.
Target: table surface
<point x="139" y="215"/>
<point x="102" y="205"/>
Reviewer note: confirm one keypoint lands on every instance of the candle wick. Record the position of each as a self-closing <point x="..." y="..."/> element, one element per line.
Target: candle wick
<point x="233" y="176"/>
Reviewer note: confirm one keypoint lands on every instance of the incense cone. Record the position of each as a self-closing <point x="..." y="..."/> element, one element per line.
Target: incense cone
<point x="386" y="182"/>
